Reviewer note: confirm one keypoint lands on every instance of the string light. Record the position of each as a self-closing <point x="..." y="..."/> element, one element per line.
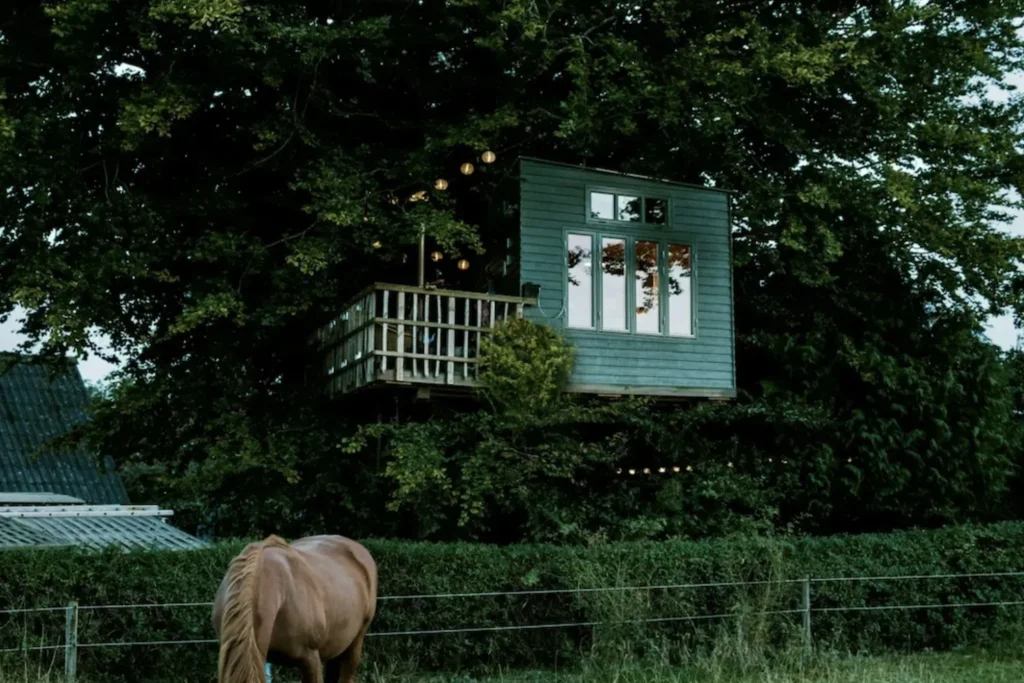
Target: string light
<point x="662" y="470"/>
<point x="689" y="468"/>
<point x="647" y="470"/>
<point x="467" y="168"/>
<point x="488" y="157"/>
<point x="436" y="256"/>
<point x="676" y="468"/>
<point x="441" y="184"/>
<point x="632" y="471"/>
<point x="463" y="264"/>
<point x="377" y="245"/>
<point x="420" y="196"/>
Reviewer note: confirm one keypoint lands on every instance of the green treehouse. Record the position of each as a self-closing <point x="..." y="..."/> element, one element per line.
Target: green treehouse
<point x="634" y="272"/>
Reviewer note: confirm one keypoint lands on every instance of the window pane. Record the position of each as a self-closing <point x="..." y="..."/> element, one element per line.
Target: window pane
<point x="581" y="281"/>
<point x="602" y="205"/>
<point x="680" y="291"/>
<point x="656" y="211"/>
<point x="647" y="287"/>
<point x="613" y="284"/>
<point x="629" y="208"/>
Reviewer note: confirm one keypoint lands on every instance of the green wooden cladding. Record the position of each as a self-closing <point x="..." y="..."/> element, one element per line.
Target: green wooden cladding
<point x="554" y="202"/>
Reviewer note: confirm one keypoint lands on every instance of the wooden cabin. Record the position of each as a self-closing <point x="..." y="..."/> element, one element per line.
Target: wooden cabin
<point x="634" y="272"/>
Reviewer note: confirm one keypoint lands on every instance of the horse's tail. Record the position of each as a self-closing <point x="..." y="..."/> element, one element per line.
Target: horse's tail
<point x="241" y="660"/>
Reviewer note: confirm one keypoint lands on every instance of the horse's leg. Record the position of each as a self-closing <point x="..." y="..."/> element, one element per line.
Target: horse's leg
<point x="342" y="669"/>
<point x="311" y="668"/>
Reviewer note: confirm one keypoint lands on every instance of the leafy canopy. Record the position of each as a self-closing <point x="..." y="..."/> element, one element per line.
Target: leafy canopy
<point x="203" y="181"/>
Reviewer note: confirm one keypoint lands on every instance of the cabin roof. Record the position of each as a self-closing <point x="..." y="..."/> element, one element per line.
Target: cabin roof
<point x="635" y="176"/>
<point x="34" y="409"/>
<point x="95" y="527"/>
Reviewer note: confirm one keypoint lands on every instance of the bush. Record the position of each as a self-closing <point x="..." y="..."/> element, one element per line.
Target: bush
<point x="44" y="578"/>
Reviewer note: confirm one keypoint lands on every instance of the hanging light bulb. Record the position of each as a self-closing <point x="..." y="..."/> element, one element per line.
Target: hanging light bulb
<point x="661" y="470"/>
<point x="463" y="264"/>
<point x="377" y="245"/>
<point x="689" y="468"/>
<point x="436" y="256"/>
<point x="676" y="468"/>
<point x="467" y="168"/>
<point x="418" y="196"/>
<point x="632" y="471"/>
<point x="488" y="157"/>
<point x="441" y="184"/>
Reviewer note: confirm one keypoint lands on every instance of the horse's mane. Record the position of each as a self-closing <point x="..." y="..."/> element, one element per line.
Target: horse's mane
<point x="240" y="660"/>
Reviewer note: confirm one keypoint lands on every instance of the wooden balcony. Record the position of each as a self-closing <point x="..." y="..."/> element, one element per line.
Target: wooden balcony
<point x="413" y="336"/>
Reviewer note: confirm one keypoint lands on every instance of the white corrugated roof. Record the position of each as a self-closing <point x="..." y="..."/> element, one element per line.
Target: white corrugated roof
<point x="128" y="527"/>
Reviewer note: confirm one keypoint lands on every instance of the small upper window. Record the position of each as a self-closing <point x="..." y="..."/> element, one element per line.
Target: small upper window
<point x="656" y="210"/>
<point x="628" y="208"/>
<point x="602" y="206"/>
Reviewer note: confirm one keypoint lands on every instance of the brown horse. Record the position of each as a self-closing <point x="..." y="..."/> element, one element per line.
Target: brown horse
<point x="301" y="604"/>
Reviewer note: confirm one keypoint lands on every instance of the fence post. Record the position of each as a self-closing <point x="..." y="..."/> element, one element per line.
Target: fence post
<point x="805" y="607"/>
<point x="71" y="641"/>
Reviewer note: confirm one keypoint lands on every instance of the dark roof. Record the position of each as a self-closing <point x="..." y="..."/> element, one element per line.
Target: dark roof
<point x="34" y="409"/>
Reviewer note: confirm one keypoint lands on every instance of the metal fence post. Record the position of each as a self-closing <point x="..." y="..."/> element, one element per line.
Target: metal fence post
<point x="71" y="641"/>
<point x="805" y="607"/>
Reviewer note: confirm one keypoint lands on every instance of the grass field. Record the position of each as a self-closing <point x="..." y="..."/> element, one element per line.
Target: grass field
<point x="1004" y="666"/>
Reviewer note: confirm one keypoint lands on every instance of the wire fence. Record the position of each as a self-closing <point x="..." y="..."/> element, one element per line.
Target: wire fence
<point x="806" y="609"/>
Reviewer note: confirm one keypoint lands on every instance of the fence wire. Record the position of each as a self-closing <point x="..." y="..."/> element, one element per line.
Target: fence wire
<point x="560" y="591"/>
<point x="579" y="591"/>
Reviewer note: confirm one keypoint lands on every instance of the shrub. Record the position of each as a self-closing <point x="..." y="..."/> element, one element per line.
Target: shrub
<point x="48" y="578"/>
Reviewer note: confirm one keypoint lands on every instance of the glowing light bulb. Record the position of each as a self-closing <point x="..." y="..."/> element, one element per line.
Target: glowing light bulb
<point x="467" y="168"/>
<point x="441" y="184"/>
<point x="488" y="157"/>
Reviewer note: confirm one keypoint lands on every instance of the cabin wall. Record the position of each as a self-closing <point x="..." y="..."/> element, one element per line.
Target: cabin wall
<point x="554" y="203"/>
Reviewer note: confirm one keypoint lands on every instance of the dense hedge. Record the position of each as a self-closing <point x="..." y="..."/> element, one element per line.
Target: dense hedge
<point x="53" y="578"/>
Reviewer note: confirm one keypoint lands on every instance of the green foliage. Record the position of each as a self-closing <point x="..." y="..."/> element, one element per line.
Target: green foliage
<point x="525" y="367"/>
<point x="53" y="578"/>
<point x="202" y="181"/>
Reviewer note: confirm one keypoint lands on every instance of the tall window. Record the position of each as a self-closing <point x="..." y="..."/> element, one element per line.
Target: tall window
<point x="647" y="295"/>
<point x="613" y="285"/>
<point x="680" y="291"/>
<point x="658" y="302"/>
<point x="581" y="281"/>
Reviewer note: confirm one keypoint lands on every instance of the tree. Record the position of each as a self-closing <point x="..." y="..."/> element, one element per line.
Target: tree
<point x="204" y="180"/>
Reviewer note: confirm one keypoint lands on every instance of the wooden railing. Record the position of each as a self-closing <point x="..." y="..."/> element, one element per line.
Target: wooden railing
<point x="409" y="335"/>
